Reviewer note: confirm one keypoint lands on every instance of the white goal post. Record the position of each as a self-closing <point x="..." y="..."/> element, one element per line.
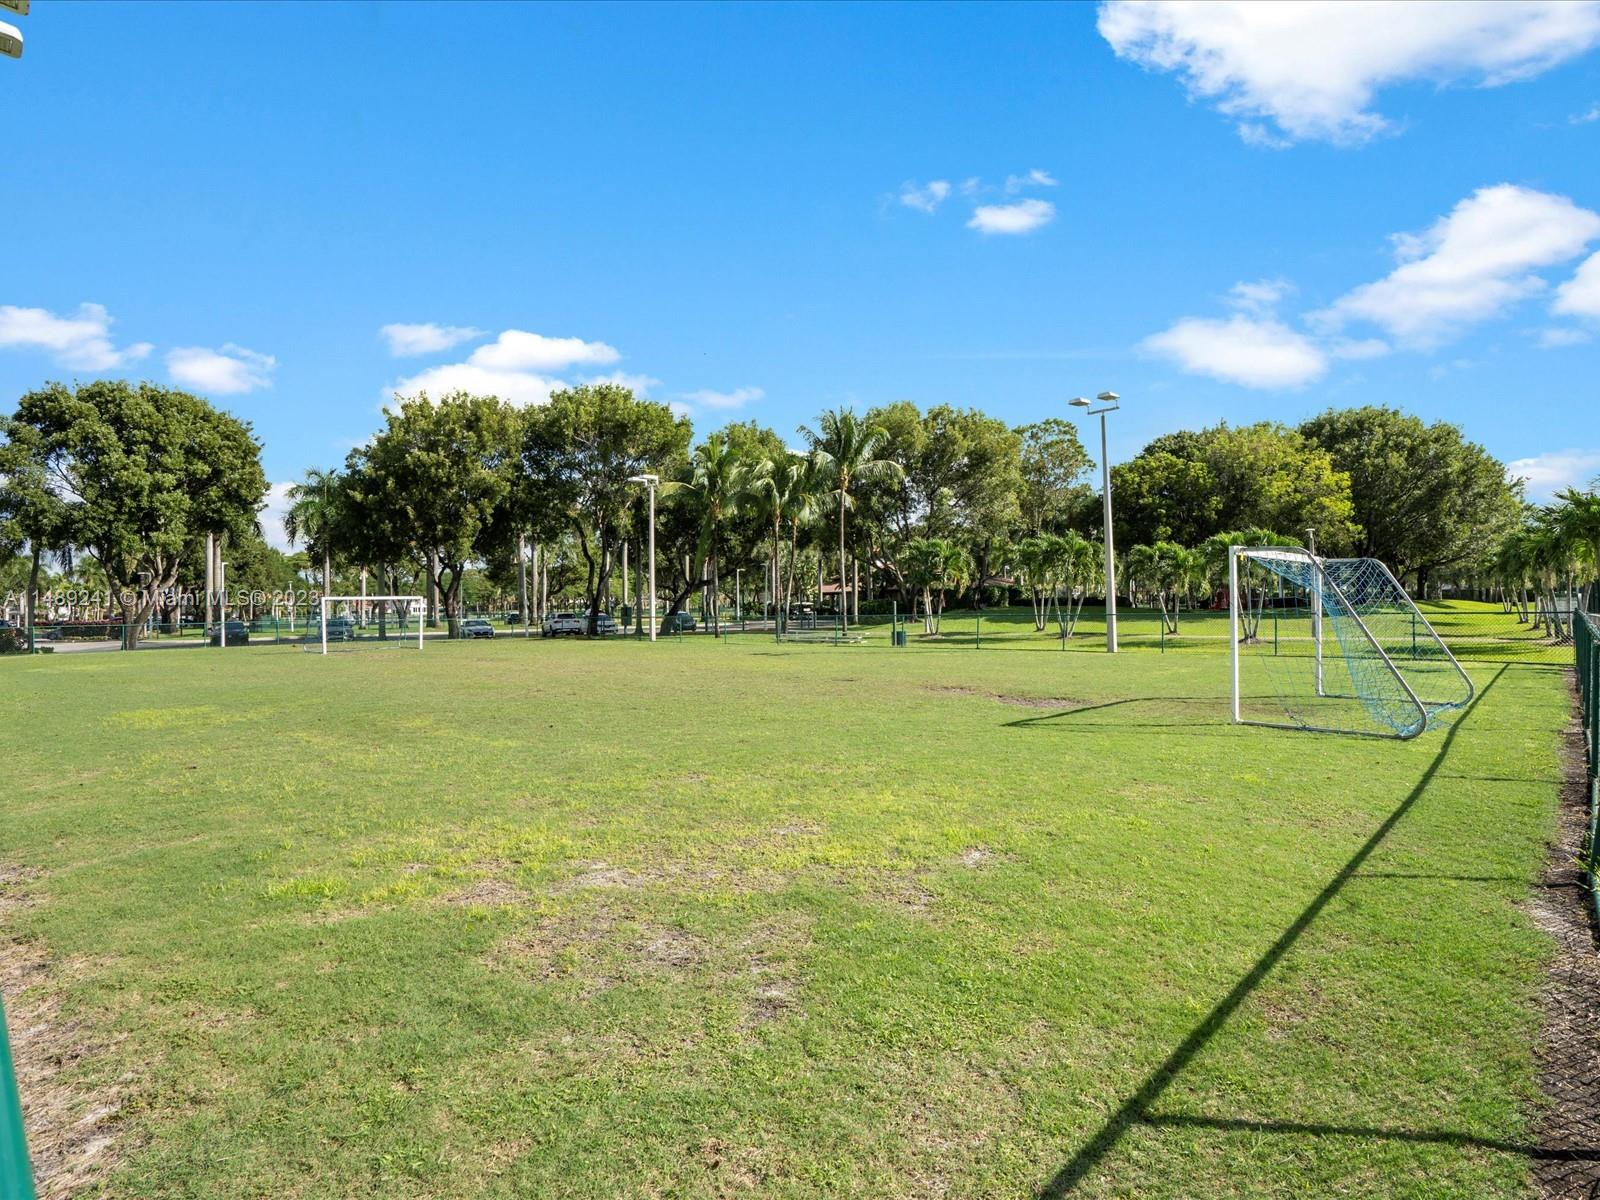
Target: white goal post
<point x="1335" y="645"/>
<point x="401" y="607"/>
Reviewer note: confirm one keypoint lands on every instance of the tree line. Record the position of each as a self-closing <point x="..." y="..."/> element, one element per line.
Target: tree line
<point x="922" y="506"/>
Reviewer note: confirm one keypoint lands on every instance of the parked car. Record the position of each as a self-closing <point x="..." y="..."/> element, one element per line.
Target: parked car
<point x="605" y="625"/>
<point x="238" y="633"/>
<point x="340" y="629"/>
<point x="563" y="623"/>
<point x="476" y="627"/>
<point x="678" y="622"/>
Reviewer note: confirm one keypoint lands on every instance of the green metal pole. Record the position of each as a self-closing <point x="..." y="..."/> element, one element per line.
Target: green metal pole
<point x="978" y="640"/>
<point x="16" y="1177"/>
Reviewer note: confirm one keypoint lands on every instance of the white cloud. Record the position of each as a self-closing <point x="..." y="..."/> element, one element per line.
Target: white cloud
<point x="1547" y="474"/>
<point x="271" y="516"/>
<point x="428" y="338"/>
<point x="1358" y="348"/>
<point x="517" y="350"/>
<point x="1260" y="296"/>
<point x="926" y="197"/>
<point x="1022" y="217"/>
<point x="1257" y="352"/>
<point x="1034" y="178"/>
<point x="1580" y="295"/>
<point x="81" y="341"/>
<point x="227" y="371"/>
<point x="519" y="367"/>
<point x="1470" y="265"/>
<point x="1552" y="339"/>
<point x="1312" y="68"/>
<point x="639" y="385"/>
<point x="516" y="387"/>
<point x="1584" y="118"/>
<point x="738" y="398"/>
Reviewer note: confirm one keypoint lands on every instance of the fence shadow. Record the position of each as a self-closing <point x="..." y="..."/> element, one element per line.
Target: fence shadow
<point x="1137" y="1109"/>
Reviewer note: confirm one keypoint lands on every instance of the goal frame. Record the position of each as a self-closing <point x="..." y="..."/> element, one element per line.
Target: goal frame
<point x="324" y="601"/>
<point x="1322" y="579"/>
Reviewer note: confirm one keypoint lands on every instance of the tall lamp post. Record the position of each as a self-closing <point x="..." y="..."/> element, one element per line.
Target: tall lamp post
<point x="1110" y="402"/>
<point x="650" y="482"/>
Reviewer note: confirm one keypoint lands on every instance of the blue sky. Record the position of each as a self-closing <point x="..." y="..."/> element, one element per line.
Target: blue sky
<point x="761" y="211"/>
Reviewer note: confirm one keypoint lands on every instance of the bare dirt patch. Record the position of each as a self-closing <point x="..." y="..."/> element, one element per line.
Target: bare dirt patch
<point x="1055" y="702"/>
<point x="1568" y="1165"/>
<point x="72" y="1129"/>
<point x="975" y="858"/>
<point x="777" y="950"/>
<point x="488" y="893"/>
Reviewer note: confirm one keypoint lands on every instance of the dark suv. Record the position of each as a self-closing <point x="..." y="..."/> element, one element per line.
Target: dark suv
<point x="238" y="633"/>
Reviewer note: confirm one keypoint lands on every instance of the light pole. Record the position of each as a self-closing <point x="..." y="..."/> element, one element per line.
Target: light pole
<point x="1110" y="402"/>
<point x="650" y="482"/>
<point x="10" y="35"/>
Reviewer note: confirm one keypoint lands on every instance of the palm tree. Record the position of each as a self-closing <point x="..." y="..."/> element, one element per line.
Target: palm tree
<point x="1036" y="560"/>
<point x="846" y="452"/>
<point x="935" y="565"/>
<point x="780" y="490"/>
<point x="719" y="480"/>
<point x="1214" y="555"/>
<point x="1082" y="569"/>
<point x="314" y="509"/>
<point x="1578" y="515"/>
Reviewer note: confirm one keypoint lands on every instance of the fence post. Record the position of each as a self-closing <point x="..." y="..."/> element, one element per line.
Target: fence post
<point x="978" y="638"/>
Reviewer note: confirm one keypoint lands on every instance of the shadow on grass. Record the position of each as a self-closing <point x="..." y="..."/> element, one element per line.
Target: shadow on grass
<point x="1137" y="1109"/>
<point x="1187" y="724"/>
<point x="1440" y="1137"/>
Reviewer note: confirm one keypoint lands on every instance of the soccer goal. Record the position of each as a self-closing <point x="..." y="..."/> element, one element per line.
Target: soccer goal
<point x="367" y="622"/>
<point x="1335" y="646"/>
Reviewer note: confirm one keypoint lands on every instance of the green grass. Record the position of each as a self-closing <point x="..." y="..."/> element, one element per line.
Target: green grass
<point x="523" y="918"/>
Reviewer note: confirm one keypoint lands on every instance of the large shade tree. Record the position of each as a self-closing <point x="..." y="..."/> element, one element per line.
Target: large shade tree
<point x="1424" y="499"/>
<point x="579" y="452"/>
<point x="439" y="470"/>
<point x="144" y="472"/>
<point x="33" y="515"/>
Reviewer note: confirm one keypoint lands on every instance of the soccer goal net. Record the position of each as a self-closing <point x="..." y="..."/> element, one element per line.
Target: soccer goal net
<point x="367" y="623"/>
<point x="1335" y="645"/>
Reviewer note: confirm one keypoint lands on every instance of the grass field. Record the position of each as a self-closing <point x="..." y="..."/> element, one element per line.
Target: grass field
<point x="522" y="918"/>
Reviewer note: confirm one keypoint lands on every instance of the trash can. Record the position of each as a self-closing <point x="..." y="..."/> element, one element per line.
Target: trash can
<point x="626" y="615"/>
<point x="899" y="637"/>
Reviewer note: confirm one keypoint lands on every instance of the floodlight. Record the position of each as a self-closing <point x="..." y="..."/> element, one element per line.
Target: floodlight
<point x="1080" y="402"/>
<point x="10" y="40"/>
<point x="1107" y="397"/>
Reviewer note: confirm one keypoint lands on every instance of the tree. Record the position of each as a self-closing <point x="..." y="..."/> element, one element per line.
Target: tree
<point x="1253" y="580"/>
<point x="1184" y="487"/>
<point x="935" y="566"/>
<point x="1578" y="516"/>
<point x="1170" y="571"/>
<point x="1051" y="466"/>
<point x="578" y="453"/>
<point x="718" y="486"/>
<point x="846" y="452"/>
<point x="144" y="472"/>
<point x="1424" y="499"/>
<point x="438" y="471"/>
<point x="32" y="513"/>
<point x="314" y="516"/>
